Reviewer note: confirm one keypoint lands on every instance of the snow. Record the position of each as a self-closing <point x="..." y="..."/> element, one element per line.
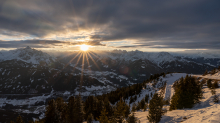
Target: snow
<point x="205" y="112"/>
<point x="27" y="55"/>
<point x="209" y="76"/>
<point x="156" y="57"/>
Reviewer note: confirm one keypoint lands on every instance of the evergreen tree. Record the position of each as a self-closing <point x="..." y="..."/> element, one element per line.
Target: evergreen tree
<point x="133" y="107"/>
<point x="142" y="104"/>
<point x="108" y="107"/>
<point x="145" y="107"/>
<point x="215" y="98"/>
<point x="71" y="109"/>
<point x="206" y="72"/>
<point x="209" y="83"/>
<point x="19" y="119"/>
<point x="62" y="109"/>
<point x="132" y="119"/>
<point x="79" y="113"/>
<point x="187" y="93"/>
<point x="215" y="85"/>
<point x="52" y="115"/>
<point x="146" y="98"/>
<point x="103" y="117"/>
<point x="90" y="118"/>
<point x="155" y="109"/>
<point x="122" y="111"/>
<point x="131" y="100"/>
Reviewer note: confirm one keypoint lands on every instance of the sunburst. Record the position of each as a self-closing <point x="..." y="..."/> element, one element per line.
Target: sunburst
<point x="84" y="47"/>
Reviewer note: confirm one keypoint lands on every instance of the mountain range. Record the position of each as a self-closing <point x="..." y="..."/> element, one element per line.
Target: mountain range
<point x="28" y="70"/>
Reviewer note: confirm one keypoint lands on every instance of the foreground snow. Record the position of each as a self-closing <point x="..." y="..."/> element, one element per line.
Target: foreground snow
<point x="209" y="76"/>
<point x="205" y="112"/>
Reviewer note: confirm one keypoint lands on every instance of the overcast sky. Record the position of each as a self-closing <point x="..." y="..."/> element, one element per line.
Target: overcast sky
<point x="147" y="25"/>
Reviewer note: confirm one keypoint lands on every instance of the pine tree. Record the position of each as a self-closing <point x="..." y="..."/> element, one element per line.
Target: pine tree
<point x="206" y="72"/>
<point x="79" y="113"/>
<point x="133" y="107"/>
<point x="155" y="109"/>
<point x="19" y="119"/>
<point x="145" y="107"/>
<point x="187" y="93"/>
<point x="103" y="117"/>
<point x="132" y="119"/>
<point x="90" y="118"/>
<point x="146" y="98"/>
<point x="62" y="109"/>
<point x="215" y="85"/>
<point x="215" y="98"/>
<point x="209" y="83"/>
<point x="142" y="104"/>
<point x="71" y="109"/>
<point x="122" y="111"/>
<point x="52" y="115"/>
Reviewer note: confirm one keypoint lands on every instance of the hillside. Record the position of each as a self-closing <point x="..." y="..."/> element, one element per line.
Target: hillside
<point x="205" y="112"/>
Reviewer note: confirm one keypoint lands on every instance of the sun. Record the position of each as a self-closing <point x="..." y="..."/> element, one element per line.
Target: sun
<point x="84" y="47"/>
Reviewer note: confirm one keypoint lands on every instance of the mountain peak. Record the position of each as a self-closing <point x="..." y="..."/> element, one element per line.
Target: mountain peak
<point x="28" y="47"/>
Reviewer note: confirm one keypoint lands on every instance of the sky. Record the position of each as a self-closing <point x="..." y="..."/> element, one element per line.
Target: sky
<point x="145" y="25"/>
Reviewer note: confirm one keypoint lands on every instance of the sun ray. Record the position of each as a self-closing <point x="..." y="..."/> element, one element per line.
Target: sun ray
<point x="94" y="54"/>
<point x="94" y="61"/>
<point x="77" y="62"/>
<point x="70" y="61"/>
<point x="82" y="72"/>
<point x="88" y="62"/>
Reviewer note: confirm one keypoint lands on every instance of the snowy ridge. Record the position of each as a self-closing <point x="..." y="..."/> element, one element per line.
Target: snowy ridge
<point x="150" y="88"/>
<point x="194" y="55"/>
<point x="204" y="112"/>
<point x="28" y="55"/>
<point x="157" y="58"/>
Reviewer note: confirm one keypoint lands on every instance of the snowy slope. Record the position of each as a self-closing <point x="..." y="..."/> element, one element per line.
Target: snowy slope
<point x="169" y="79"/>
<point x="28" y="55"/>
<point x="209" y="76"/>
<point x="205" y="112"/>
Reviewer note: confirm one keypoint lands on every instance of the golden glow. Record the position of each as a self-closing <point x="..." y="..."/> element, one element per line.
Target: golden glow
<point x="84" y="47"/>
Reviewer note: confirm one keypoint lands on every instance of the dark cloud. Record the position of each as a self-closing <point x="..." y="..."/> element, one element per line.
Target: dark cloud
<point x="187" y="24"/>
<point x="43" y="43"/>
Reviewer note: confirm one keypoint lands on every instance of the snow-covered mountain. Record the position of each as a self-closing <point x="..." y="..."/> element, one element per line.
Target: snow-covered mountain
<point x="156" y="58"/>
<point x="27" y="55"/>
<point x="22" y="72"/>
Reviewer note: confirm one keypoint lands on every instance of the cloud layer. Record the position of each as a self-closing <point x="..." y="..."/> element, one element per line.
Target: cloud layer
<point x="188" y="24"/>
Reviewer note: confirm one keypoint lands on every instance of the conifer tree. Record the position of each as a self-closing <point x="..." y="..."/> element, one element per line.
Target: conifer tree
<point x="142" y="104"/>
<point x="145" y="107"/>
<point x="62" y="109"/>
<point x="132" y="119"/>
<point x="19" y="119"/>
<point x="206" y="72"/>
<point x="215" y="98"/>
<point x="155" y="109"/>
<point x="51" y="114"/>
<point x="122" y="111"/>
<point x="133" y="107"/>
<point x="187" y="93"/>
<point x="71" y="109"/>
<point x="103" y="117"/>
<point x="146" y="98"/>
<point x="90" y="118"/>
<point x="108" y="107"/>
<point x="209" y="83"/>
<point x="215" y="85"/>
<point x="79" y="113"/>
